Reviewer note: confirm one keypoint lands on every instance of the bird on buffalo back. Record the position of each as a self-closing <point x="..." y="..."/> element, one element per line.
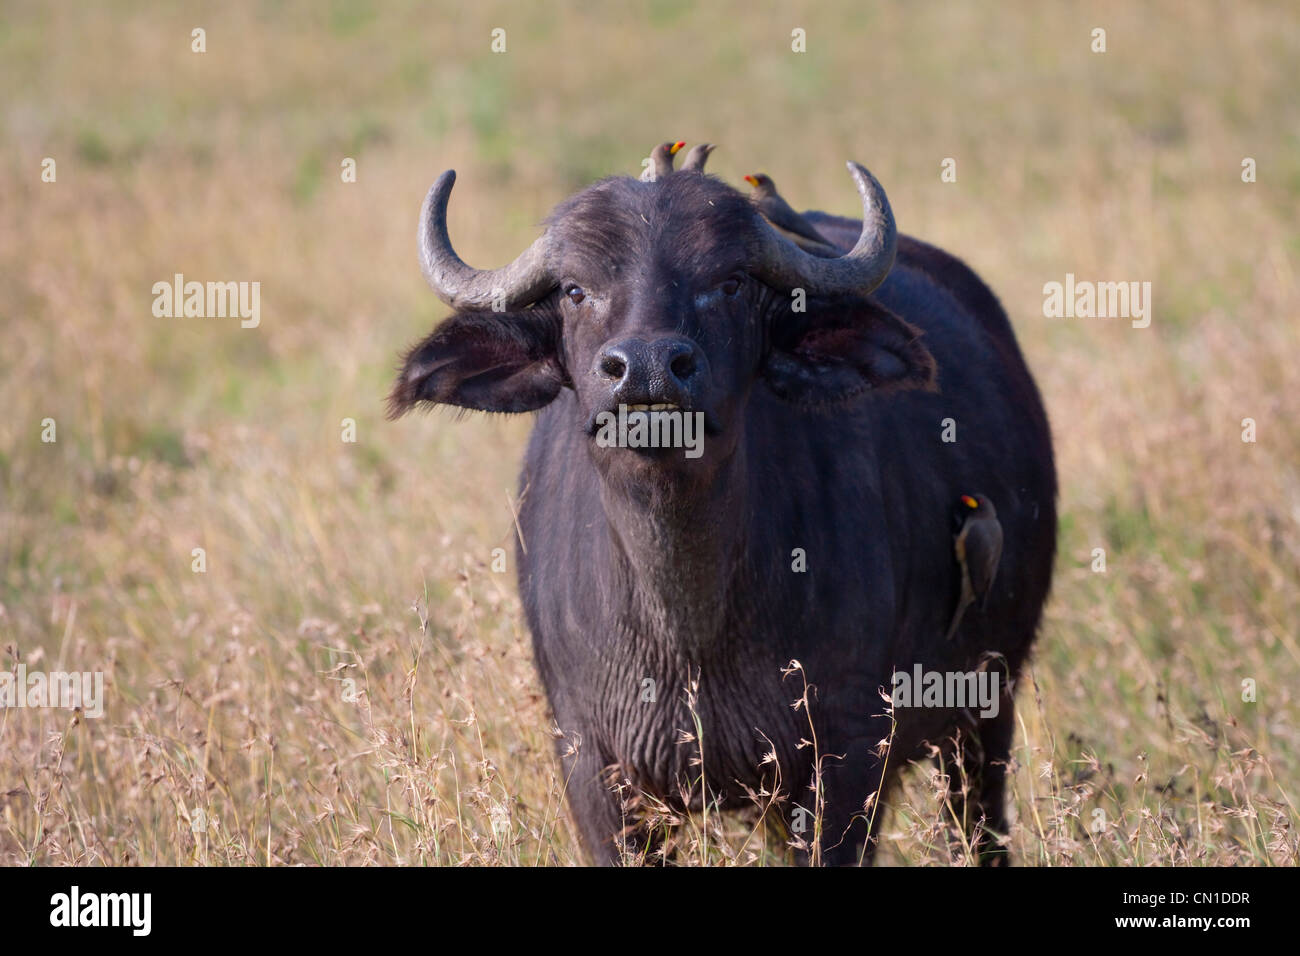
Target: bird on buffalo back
<point x="781" y="214"/>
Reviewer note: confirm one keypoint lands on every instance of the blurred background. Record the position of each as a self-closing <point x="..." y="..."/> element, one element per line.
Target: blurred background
<point x="349" y="681"/>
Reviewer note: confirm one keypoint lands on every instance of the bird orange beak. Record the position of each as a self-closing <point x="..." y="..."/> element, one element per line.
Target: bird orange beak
<point x="676" y="146"/>
<point x="752" y="180"/>
<point x="969" y="502"/>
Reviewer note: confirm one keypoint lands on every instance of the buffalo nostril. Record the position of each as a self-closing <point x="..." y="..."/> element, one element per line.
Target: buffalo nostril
<point x="613" y="366"/>
<point x="683" y="366"/>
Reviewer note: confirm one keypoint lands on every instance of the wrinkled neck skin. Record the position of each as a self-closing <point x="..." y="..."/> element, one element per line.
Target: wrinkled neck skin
<point x="676" y="549"/>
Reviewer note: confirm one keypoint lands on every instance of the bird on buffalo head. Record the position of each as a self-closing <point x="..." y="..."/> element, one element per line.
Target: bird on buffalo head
<point x="781" y="214"/>
<point x="978" y="546"/>
<point x="697" y="157"/>
<point x="660" y="162"/>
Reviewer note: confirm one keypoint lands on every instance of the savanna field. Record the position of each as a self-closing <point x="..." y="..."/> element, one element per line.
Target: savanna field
<point x="349" y="680"/>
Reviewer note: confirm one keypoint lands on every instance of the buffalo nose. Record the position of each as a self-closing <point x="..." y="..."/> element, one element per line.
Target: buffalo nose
<point x="665" y="370"/>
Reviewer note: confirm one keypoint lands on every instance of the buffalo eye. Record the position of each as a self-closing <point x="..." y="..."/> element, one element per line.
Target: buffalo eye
<point x="575" y="294"/>
<point x="731" y="285"/>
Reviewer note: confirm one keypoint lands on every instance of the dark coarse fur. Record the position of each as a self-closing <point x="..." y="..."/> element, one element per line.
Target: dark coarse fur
<point x="826" y="436"/>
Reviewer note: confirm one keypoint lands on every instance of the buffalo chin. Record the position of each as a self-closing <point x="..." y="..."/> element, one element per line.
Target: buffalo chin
<point x="649" y="474"/>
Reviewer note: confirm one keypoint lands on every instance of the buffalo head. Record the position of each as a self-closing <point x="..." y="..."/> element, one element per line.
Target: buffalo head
<point x="673" y="295"/>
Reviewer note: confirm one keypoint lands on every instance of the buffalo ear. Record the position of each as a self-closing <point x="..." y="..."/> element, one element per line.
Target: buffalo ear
<point x="836" y="351"/>
<point x="486" y="361"/>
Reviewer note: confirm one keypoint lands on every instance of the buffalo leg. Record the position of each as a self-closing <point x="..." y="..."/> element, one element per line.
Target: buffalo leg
<point x="853" y="811"/>
<point x="977" y="762"/>
<point x="605" y="825"/>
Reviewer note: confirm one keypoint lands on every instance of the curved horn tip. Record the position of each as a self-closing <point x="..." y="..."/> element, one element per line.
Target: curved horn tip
<point x="444" y="182"/>
<point x="862" y="176"/>
<point x="439" y="192"/>
<point x="870" y="190"/>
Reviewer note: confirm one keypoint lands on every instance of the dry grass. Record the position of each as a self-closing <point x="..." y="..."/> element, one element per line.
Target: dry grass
<point x="229" y="737"/>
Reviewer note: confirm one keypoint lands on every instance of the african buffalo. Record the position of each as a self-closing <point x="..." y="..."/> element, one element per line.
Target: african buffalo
<point x="846" y="403"/>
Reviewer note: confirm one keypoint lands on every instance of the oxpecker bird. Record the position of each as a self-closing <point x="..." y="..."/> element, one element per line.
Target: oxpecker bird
<point x="780" y="213"/>
<point x="661" y="161"/>
<point x="978" y="546"/>
<point x="697" y="157"/>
